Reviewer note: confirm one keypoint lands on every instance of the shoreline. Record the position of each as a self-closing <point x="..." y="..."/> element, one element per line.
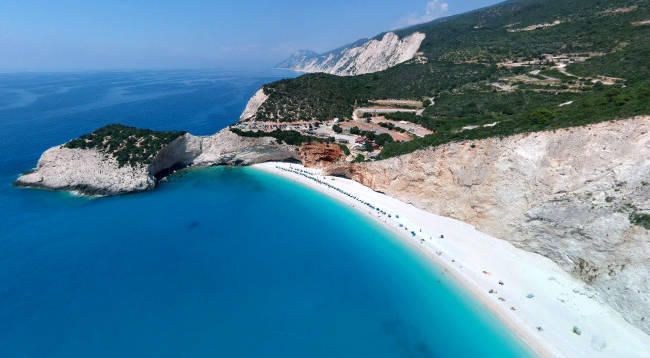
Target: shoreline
<point x="523" y="290"/>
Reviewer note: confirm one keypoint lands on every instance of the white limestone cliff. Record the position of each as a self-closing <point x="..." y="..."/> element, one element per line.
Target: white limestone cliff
<point x="569" y="195"/>
<point x="371" y="56"/>
<point x="86" y="171"/>
<point x="254" y="104"/>
<point x="92" y="172"/>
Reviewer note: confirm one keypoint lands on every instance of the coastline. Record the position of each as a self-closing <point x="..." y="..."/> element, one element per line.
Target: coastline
<point x="478" y="263"/>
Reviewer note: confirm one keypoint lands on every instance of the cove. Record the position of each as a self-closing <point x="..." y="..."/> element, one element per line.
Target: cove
<point x="214" y="262"/>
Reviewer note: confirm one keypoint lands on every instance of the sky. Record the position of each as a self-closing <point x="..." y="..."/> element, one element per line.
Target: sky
<point x="81" y="35"/>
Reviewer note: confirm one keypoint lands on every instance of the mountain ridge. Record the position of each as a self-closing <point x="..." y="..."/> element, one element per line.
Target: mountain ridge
<point x="363" y="56"/>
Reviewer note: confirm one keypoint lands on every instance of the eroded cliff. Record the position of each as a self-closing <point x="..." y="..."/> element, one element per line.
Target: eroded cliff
<point x="366" y="57"/>
<point x="579" y="196"/>
<point x="93" y="172"/>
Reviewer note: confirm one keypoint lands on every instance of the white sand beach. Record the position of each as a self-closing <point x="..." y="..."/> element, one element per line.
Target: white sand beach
<point x="533" y="296"/>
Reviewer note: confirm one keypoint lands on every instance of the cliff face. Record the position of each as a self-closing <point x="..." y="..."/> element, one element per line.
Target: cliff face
<point x="253" y="104"/>
<point x="367" y="57"/>
<point x="92" y="172"/>
<point x="86" y="171"/>
<point x="570" y="195"/>
<point x="319" y="154"/>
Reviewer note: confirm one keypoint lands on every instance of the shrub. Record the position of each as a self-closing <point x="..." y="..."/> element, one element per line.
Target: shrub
<point x="383" y="139"/>
<point x="128" y="145"/>
<point x="642" y="220"/>
<point x="288" y="137"/>
<point x="541" y="116"/>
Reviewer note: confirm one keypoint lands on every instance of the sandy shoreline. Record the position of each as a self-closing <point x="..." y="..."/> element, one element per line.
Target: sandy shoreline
<point x="535" y="291"/>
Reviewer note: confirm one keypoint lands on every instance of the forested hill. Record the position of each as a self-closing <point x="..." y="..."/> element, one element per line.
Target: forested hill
<point x="525" y="65"/>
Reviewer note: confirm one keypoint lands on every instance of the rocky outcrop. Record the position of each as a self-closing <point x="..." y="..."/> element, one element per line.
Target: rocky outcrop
<point x="92" y="172"/>
<point x="366" y="57"/>
<point x="571" y="195"/>
<point x="227" y="148"/>
<point x="253" y="104"/>
<point x="319" y="155"/>
<point x="87" y="171"/>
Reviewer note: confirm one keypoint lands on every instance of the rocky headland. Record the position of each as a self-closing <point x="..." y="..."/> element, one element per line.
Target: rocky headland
<point x="93" y="171"/>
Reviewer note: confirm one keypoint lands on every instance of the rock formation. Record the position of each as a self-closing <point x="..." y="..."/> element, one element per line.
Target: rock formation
<point x="318" y="154"/>
<point x="253" y="104"/>
<point x="366" y="57"/>
<point x="86" y="171"/>
<point x="89" y="171"/>
<point x="573" y="195"/>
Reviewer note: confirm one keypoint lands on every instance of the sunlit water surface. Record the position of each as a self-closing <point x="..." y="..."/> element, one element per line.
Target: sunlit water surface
<point x="215" y="262"/>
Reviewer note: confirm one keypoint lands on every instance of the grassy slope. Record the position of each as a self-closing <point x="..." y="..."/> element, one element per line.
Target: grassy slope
<point x="463" y="91"/>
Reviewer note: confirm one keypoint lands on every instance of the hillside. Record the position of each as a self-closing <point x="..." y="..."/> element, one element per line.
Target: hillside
<point x="519" y="66"/>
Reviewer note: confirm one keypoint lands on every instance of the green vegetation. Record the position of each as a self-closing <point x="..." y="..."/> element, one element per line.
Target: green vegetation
<point x="483" y="35"/>
<point x="355" y="130"/>
<point x="641" y="220"/>
<point x="383" y="139"/>
<point x="464" y="71"/>
<point x="129" y="145"/>
<point x="289" y="137"/>
<point x="368" y="134"/>
<point x="402" y="116"/>
<point x="606" y="104"/>
<point x="322" y="96"/>
<point x="345" y="149"/>
<point x="628" y="61"/>
<point x="359" y="159"/>
<point x="337" y="128"/>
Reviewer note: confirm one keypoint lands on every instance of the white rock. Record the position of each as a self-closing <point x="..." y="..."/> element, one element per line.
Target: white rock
<point x="371" y="56"/>
<point x="92" y="172"/>
<point x="565" y="194"/>
<point x="254" y="104"/>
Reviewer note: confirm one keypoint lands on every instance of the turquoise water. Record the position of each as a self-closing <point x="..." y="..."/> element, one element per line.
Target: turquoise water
<point x="215" y="262"/>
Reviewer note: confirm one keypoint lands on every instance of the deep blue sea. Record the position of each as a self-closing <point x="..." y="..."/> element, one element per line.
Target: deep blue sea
<point x="215" y="262"/>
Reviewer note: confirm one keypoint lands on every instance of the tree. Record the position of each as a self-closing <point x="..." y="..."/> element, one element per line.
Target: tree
<point x="337" y="128"/>
<point x="542" y="116"/>
<point x="355" y="130"/>
<point x="383" y="139"/>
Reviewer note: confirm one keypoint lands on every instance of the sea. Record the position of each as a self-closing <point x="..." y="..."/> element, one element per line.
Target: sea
<point x="215" y="262"/>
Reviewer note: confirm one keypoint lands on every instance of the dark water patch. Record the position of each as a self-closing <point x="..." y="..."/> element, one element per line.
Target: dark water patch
<point x="169" y="171"/>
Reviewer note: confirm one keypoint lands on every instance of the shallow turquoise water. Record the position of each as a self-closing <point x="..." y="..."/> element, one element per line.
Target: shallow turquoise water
<point x="215" y="262"/>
